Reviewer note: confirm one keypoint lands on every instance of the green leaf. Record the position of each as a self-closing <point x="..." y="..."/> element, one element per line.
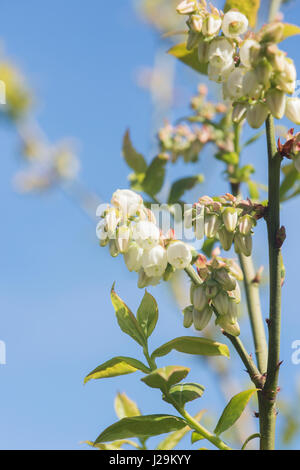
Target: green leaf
<point x="189" y="58"/>
<point x="192" y="345"/>
<point x="174" y="438"/>
<point x="248" y="7"/>
<point x="165" y="377"/>
<point x="183" y="393"/>
<point x="253" y="190"/>
<point x="208" y="246"/>
<point x="147" y="314"/>
<point x="155" y="175"/>
<point x="290" y="30"/>
<point x="196" y="436"/>
<point x="141" y="427"/>
<point x="250" y="438"/>
<point x="184" y="184"/>
<point x="115" y="445"/>
<point x="127" y="320"/>
<point x="124" y="407"/>
<point x="232" y="158"/>
<point x="233" y="410"/>
<point x="133" y="159"/>
<point x="120" y="365"/>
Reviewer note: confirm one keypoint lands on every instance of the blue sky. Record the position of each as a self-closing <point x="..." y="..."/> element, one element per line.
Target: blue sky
<point x="56" y="316"/>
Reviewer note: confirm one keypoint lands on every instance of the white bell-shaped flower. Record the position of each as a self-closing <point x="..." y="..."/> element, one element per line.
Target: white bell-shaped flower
<point x="292" y="110"/>
<point x="154" y="261"/>
<point x="146" y="234"/>
<point x="127" y="201"/>
<point x="234" y="24"/>
<point x="179" y="255"/>
<point x="133" y="257"/>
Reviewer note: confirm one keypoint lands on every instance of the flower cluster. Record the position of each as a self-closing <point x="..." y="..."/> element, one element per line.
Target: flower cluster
<point x="184" y="140"/>
<point x="219" y="292"/>
<point x="225" y="217"/>
<point x="129" y="228"/>
<point x="255" y="73"/>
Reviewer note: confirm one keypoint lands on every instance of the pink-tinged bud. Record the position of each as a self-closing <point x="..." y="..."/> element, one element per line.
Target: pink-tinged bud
<point x="201" y="319"/>
<point x="186" y="7"/>
<point x="257" y="114"/>
<point x="211" y="25"/>
<point x="221" y="303"/>
<point x="276" y="102"/>
<point x="292" y="110"/>
<point x="226" y="238"/>
<point x="234" y="24"/>
<point x="239" y="112"/>
<point x="133" y="257"/>
<point x="243" y="244"/>
<point x="192" y="40"/>
<point x="246" y="223"/>
<point x="211" y="289"/>
<point x="195" y="23"/>
<point x="211" y="225"/>
<point x="230" y="218"/>
<point x="203" y="48"/>
<point x="227" y="281"/>
<point x="230" y="327"/>
<point x="188" y="316"/>
<point x="113" y="248"/>
<point x="198" y="297"/>
<point x="272" y="32"/>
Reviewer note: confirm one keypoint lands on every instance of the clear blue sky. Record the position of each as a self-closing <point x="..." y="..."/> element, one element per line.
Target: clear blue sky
<point x="56" y="316"/>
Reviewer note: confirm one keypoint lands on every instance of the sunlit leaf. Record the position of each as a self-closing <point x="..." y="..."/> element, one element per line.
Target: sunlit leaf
<point x="233" y="410"/>
<point x="196" y="437"/>
<point x="126" y="320"/>
<point x="193" y="345"/>
<point x="155" y="175"/>
<point x="133" y="159"/>
<point x="253" y="190"/>
<point x="125" y="407"/>
<point x="165" y="377"/>
<point x="248" y="7"/>
<point x="120" y="365"/>
<point x="183" y="393"/>
<point x="141" y="427"/>
<point x="189" y="58"/>
<point x="147" y="314"/>
<point x="290" y="30"/>
<point x="180" y="186"/>
<point x="171" y="441"/>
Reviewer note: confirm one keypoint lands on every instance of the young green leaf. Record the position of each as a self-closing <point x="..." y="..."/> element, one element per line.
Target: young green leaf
<point x="290" y="30"/>
<point x="155" y="175"/>
<point x="141" y="427"/>
<point x="192" y="345"/>
<point x="189" y="58"/>
<point x="180" y="186"/>
<point x="147" y="314"/>
<point x="208" y="246"/>
<point x="126" y="320"/>
<point x="195" y="437"/>
<point x="248" y="7"/>
<point x="250" y="438"/>
<point x="171" y="441"/>
<point x="124" y="407"/>
<point x="133" y="159"/>
<point x="120" y="365"/>
<point x="183" y="393"/>
<point x="253" y="190"/>
<point x="233" y="410"/>
<point x="165" y="377"/>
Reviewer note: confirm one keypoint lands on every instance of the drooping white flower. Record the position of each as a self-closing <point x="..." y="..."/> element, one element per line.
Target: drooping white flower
<point x="234" y="24"/>
<point x="127" y="201"/>
<point x="276" y="102"/>
<point x="154" y="261"/>
<point x="146" y="234"/>
<point x="198" y="297"/>
<point x="239" y="112"/>
<point x="245" y="51"/>
<point x="233" y="87"/>
<point x="179" y="255"/>
<point x="201" y="319"/>
<point x="123" y="238"/>
<point x="220" y="55"/>
<point x="111" y="221"/>
<point x="144" y="280"/>
<point x="211" y="25"/>
<point x="292" y="110"/>
<point x="102" y="233"/>
<point x="251" y="86"/>
<point x="257" y="114"/>
<point x="133" y="257"/>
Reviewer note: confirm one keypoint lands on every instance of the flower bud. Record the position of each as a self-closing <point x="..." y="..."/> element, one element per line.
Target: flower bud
<point x="192" y="40"/>
<point x="227" y="281"/>
<point x="186" y="6"/>
<point x="251" y="86"/>
<point x="234" y="24"/>
<point x="188" y="316"/>
<point x="292" y="110"/>
<point x="230" y="218"/>
<point x="154" y="261"/>
<point x="211" y="289"/>
<point x="133" y="257"/>
<point x="144" y="280"/>
<point x="286" y="80"/>
<point x="235" y="270"/>
<point x="263" y="71"/>
<point x="245" y="224"/>
<point x="113" y="248"/>
<point x="235" y="294"/>
<point x="221" y="303"/>
<point x="272" y="32"/>
<point x="211" y="225"/>
<point x="179" y="255"/>
<point x="201" y="319"/>
<point x="276" y="102"/>
<point x="248" y="49"/>
<point x="226" y="238"/>
<point x="239" y="112"/>
<point x="203" y="48"/>
<point x="243" y="244"/>
<point x="195" y="23"/>
<point x="123" y="238"/>
<point x="146" y="234"/>
<point x="211" y="25"/>
<point x="276" y="57"/>
<point x="257" y="114"/>
<point x="230" y="327"/>
<point x="198" y="297"/>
